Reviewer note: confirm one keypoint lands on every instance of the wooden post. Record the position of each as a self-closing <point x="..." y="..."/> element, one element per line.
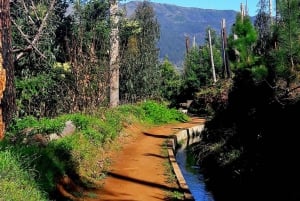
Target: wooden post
<point x="212" y="58"/>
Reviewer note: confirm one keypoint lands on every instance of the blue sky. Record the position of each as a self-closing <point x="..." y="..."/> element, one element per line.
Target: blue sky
<point x="213" y="4"/>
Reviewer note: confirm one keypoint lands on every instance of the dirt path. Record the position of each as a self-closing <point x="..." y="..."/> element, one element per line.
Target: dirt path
<point x="137" y="171"/>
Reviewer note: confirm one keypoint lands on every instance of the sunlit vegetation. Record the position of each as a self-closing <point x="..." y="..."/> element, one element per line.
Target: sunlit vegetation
<point x="31" y="160"/>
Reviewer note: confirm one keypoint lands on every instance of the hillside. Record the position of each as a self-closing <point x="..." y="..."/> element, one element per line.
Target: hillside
<point x="176" y="22"/>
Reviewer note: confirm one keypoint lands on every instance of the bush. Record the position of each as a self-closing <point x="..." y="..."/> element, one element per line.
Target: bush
<point x="159" y="113"/>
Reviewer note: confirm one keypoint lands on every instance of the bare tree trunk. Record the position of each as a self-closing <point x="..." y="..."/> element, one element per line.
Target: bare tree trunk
<point x="187" y="44"/>
<point x="8" y="104"/>
<point x="226" y="68"/>
<point x="242" y="11"/>
<point x="212" y="58"/>
<point x="114" y="54"/>
<point x="270" y="11"/>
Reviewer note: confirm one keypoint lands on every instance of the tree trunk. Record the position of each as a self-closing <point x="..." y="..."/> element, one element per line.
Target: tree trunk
<point x="114" y="54"/>
<point x="187" y="44"/>
<point x="8" y="104"/>
<point x="212" y="58"/>
<point x="226" y="67"/>
<point x="2" y="87"/>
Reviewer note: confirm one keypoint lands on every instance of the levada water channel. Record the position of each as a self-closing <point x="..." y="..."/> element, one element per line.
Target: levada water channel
<point x="194" y="179"/>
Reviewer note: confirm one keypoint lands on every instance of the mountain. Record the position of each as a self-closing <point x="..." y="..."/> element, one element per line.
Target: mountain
<point x="177" y="22"/>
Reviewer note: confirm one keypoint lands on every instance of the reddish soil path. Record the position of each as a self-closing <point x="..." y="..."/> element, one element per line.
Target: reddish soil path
<point x="137" y="171"/>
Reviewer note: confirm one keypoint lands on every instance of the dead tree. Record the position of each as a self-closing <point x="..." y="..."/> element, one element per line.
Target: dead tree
<point x="187" y="44"/>
<point x="212" y="58"/>
<point x="226" y="68"/>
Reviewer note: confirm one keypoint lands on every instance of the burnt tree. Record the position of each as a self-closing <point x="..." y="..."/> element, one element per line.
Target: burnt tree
<point x="8" y="104"/>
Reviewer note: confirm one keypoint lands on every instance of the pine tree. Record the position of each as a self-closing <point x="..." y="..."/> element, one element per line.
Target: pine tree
<point x="242" y="42"/>
<point x="286" y="54"/>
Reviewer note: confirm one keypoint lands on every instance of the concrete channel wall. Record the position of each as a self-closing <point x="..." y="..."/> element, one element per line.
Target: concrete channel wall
<point x="182" y="138"/>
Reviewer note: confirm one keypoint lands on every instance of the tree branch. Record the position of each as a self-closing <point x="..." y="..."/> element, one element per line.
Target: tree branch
<point x="28" y="48"/>
<point x="32" y="44"/>
<point x="34" y="10"/>
<point x="27" y="12"/>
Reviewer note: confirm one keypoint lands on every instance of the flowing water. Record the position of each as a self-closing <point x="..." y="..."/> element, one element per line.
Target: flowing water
<point x="193" y="178"/>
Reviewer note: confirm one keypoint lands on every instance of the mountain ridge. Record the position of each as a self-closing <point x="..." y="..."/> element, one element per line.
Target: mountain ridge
<point x="177" y="22"/>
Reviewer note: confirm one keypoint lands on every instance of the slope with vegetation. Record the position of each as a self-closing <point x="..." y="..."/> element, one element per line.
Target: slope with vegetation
<point x="33" y="170"/>
<point x="248" y="151"/>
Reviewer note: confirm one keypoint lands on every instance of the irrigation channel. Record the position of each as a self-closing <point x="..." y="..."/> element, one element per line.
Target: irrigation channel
<point x="194" y="179"/>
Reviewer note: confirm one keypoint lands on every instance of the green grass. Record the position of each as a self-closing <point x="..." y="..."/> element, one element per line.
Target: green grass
<point x="29" y="171"/>
<point x="17" y="178"/>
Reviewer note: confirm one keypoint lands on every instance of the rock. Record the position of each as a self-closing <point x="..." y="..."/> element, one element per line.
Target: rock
<point x="39" y="139"/>
<point x="69" y="129"/>
<point x="53" y="136"/>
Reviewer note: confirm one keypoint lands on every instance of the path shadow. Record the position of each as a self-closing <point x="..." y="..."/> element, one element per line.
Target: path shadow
<point x="162" y="136"/>
<point x="155" y="155"/>
<point x="147" y="183"/>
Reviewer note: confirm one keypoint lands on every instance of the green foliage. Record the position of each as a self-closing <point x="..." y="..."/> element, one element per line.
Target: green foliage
<point x="242" y="42"/>
<point x="259" y="72"/>
<point x="198" y="67"/>
<point x="140" y="77"/>
<point x="176" y="195"/>
<point x="286" y="56"/>
<point x="131" y="112"/>
<point x="29" y="125"/>
<point x="192" y="70"/>
<point x="92" y="31"/>
<point x="171" y="80"/>
<point x="91" y="127"/>
<point x="45" y="94"/>
<point x="159" y="113"/>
